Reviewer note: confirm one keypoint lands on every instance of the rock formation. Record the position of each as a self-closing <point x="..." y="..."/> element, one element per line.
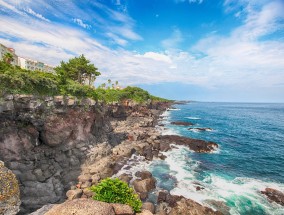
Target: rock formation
<point x="274" y="195"/>
<point x="49" y="141"/>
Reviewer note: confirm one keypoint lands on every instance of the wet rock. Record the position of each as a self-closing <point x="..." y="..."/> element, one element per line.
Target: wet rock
<point x="219" y="206"/>
<point x="9" y="192"/>
<point x="182" y="123"/>
<point x="162" y="196"/>
<point x="198" y="188"/>
<point x="165" y="196"/>
<point x="82" y="207"/>
<point x="190" y="207"/>
<point x="274" y="195"/>
<point x="201" y="129"/>
<point x="148" y="153"/>
<point x="196" y="145"/>
<point x="148" y="206"/>
<point x="125" y="177"/>
<point x="143" y="196"/>
<point x="164" y="146"/>
<point x="143" y="174"/>
<point x="120" y="209"/>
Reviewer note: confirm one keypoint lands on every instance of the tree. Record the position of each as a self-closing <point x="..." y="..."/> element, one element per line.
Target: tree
<point x="78" y="69"/>
<point x="8" y="57"/>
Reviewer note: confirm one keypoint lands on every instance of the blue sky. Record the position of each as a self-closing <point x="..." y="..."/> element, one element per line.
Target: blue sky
<point x="206" y="50"/>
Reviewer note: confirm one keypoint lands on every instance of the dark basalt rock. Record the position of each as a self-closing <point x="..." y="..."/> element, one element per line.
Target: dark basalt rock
<point x="182" y="123"/>
<point x="196" y="145"/>
<point x="274" y="195"/>
<point x="165" y="196"/>
<point x="201" y="129"/>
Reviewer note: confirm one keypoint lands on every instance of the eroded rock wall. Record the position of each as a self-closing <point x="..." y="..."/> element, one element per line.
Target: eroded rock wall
<point x="44" y="141"/>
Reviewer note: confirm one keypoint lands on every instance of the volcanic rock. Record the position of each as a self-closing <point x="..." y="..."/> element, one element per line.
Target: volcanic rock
<point x="190" y="207"/>
<point x="274" y="195"/>
<point x="196" y="145"/>
<point x="182" y="123"/>
<point x="148" y="206"/>
<point x="121" y="209"/>
<point x="82" y="207"/>
<point x="144" y="186"/>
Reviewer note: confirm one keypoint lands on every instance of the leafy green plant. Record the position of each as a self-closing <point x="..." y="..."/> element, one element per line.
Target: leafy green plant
<point x="116" y="191"/>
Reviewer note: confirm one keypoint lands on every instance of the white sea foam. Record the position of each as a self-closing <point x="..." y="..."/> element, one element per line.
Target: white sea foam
<point x="135" y="163"/>
<point x="192" y="117"/>
<point x="240" y="190"/>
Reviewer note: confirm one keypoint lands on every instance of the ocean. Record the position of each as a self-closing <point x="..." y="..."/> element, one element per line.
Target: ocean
<point x="249" y="159"/>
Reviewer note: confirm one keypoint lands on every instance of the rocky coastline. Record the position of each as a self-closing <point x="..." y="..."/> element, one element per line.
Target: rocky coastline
<point x="58" y="147"/>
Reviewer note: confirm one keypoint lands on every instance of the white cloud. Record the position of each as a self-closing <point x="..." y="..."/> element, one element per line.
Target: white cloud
<point x="174" y="40"/>
<point x="240" y="60"/>
<point x="116" y="39"/>
<point x="81" y="23"/>
<point x="30" y="11"/>
<point x="157" y="57"/>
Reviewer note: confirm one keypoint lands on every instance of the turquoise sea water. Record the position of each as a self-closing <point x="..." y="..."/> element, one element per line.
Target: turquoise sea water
<point x="250" y="157"/>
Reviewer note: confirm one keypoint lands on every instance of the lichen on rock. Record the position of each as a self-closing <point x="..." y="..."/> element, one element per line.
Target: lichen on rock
<point x="9" y="192"/>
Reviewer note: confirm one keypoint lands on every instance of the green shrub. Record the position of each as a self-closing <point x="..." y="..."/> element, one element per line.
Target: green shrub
<point x="116" y="191"/>
<point x="73" y="88"/>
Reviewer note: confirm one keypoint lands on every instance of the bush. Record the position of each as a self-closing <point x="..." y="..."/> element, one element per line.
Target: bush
<point x="116" y="191"/>
<point x="73" y="88"/>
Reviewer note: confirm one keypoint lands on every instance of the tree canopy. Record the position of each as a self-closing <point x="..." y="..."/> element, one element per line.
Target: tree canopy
<point x="78" y="69"/>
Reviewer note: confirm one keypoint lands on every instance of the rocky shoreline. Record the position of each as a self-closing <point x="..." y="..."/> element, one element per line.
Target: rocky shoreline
<point x="58" y="147"/>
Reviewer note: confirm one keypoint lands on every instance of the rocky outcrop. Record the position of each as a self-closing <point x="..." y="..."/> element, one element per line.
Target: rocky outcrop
<point x="177" y="205"/>
<point x="200" y="129"/>
<point x="190" y="207"/>
<point x="274" y="195"/>
<point x="196" y="145"/>
<point x="182" y="123"/>
<point x="9" y="192"/>
<point x="49" y="141"/>
<point x="82" y="207"/>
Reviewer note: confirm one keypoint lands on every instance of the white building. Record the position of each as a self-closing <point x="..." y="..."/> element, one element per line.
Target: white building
<point x="24" y="63"/>
<point x="33" y="65"/>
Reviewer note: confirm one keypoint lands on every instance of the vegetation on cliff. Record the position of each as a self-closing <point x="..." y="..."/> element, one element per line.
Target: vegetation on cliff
<point x="116" y="191"/>
<point x="72" y="78"/>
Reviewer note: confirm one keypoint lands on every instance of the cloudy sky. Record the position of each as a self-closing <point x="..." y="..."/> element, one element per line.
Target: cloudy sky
<point x="206" y="50"/>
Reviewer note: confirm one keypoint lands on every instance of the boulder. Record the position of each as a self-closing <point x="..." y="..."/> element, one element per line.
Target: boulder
<point x="148" y="206"/>
<point x="82" y="207"/>
<point x="9" y="192"/>
<point x="144" y="186"/>
<point x="125" y="177"/>
<point x="143" y="174"/>
<point x="120" y="209"/>
<point x="74" y="194"/>
<point x="274" y="195"/>
<point x="190" y="207"/>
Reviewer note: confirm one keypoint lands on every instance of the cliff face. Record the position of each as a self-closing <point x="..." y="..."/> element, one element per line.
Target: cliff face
<point x="45" y="141"/>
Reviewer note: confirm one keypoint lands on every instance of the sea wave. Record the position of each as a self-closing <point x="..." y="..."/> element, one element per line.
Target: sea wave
<point x="192" y="117"/>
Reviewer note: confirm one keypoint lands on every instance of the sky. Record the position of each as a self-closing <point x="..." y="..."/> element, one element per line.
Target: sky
<point x="203" y="50"/>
